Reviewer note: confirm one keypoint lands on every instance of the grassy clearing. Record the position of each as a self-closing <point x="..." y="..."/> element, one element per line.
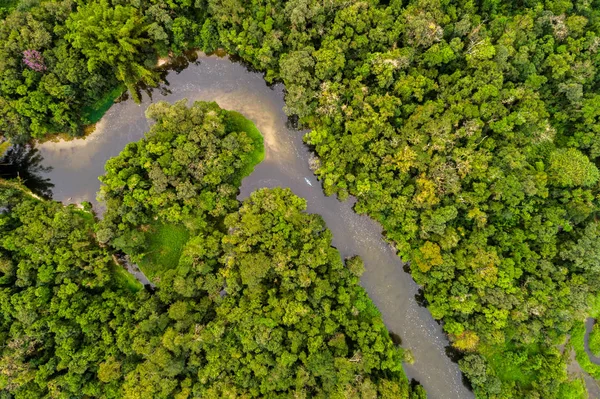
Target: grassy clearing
<point x="94" y="112"/>
<point x="124" y="279"/>
<point x="509" y="366"/>
<point x="164" y="244"/>
<point x="236" y="122"/>
<point x="85" y="215"/>
<point x="594" y="303"/>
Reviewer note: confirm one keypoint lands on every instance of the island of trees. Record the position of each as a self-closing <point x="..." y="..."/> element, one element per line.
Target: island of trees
<point x="468" y="129"/>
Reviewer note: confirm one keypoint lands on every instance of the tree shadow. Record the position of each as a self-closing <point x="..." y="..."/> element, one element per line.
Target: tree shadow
<point x="396" y="339"/>
<point x="455" y="355"/>
<point x="176" y="64"/>
<point x="24" y="162"/>
<point x="420" y="298"/>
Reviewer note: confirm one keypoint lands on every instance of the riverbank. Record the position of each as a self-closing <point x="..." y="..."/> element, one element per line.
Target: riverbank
<point x="94" y="112"/>
<point x="18" y="186"/>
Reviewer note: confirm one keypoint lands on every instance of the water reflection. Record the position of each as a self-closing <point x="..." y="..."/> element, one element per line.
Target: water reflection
<point x="24" y="162"/>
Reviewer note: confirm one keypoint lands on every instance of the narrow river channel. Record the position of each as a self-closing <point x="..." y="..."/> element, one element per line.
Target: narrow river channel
<point x="77" y="164"/>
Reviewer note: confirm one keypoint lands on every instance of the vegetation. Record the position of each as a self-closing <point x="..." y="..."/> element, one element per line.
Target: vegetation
<point x="573" y="389"/>
<point x="124" y="279"/>
<point x="578" y="342"/>
<point x="252" y="300"/>
<point x="162" y="248"/>
<point x="468" y="129"/>
<point x="4" y="146"/>
<point x="259" y="305"/>
<point x="314" y="329"/>
<point x="61" y="314"/>
<point x="594" y="340"/>
<point x="94" y="112"/>
<point x="236" y="122"/>
<point x="185" y="172"/>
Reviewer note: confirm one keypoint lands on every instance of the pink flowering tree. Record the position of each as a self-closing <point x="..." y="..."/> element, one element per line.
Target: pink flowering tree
<point x="34" y="60"/>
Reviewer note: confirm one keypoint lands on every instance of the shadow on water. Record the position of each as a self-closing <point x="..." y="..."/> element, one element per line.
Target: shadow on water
<point x="24" y="162"/>
<point x="292" y="122"/>
<point x="423" y="302"/>
<point x="396" y="339"/>
<point x="420" y="298"/>
<point x="406" y="267"/>
<point x="455" y="355"/>
<point x="176" y="64"/>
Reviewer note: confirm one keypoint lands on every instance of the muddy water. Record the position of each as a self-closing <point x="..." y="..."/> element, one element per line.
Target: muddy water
<point x="77" y="165"/>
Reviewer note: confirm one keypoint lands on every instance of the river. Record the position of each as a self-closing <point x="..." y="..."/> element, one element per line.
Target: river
<point x="76" y="165"/>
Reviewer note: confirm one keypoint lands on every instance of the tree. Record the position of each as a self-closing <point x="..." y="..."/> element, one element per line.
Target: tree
<point x="184" y="171"/>
<point x="568" y="167"/>
<point x="112" y="38"/>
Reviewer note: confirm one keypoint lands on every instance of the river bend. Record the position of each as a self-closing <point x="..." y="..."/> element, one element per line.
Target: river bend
<point x="77" y="164"/>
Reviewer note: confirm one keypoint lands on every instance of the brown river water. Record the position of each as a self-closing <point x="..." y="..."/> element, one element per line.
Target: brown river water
<point x="77" y="164"/>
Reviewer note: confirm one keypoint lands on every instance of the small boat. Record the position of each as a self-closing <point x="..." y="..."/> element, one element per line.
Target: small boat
<point x="308" y="181"/>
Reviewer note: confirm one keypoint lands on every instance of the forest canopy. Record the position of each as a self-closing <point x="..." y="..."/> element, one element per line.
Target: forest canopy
<point x="186" y="170"/>
<point x="468" y="129"/>
<point x="258" y="305"/>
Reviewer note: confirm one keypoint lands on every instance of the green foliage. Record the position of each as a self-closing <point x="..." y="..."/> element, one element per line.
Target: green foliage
<point x="574" y="389"/>
<point x="186" y="170"/>
<point x="594" y="340"/>
<point x="4" y="146"/>
<point x="578" y="342"/>
<point x="112" y="38"/>
<point x="209" y="37"/>
<point x="60" y="313"/>
<point x="8" y="4"/>
<point x="124" y="279"/>
<point x="261" y="288"/>
<point x="94" y="112"/>
<point x="236" y="122"/>
<point x="470" y="130"/>
<point x="355" y="265"/>
<point x="509" y="364"/>
<point x="264" y="308"/>
<point x="162" y="248"/>
<point x="90" y="51"/>
<point x="569" y="167"/>
<point x="35" y="103"/>
<point x="293" y="311"/>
